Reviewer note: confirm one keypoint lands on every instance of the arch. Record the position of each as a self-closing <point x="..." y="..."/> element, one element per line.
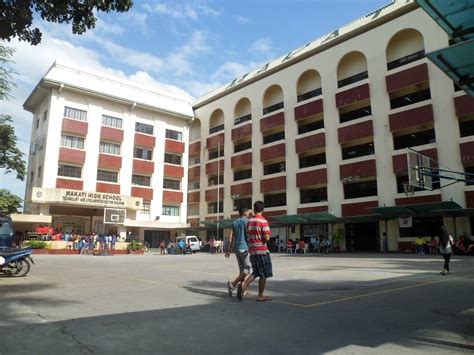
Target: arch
<point x="308" y="82"/>
<point x="352" y="64"/>
<point x="243" y="108"/>
<point x="217" y="118"/>
<point x="273" y="96"/>
<point x="195" y="130"/>
<point x="404" y="43"/>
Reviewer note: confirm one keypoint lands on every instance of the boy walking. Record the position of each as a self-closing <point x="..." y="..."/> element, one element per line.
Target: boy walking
<point x="238" y="244"/>
<point x="258" y="232"/>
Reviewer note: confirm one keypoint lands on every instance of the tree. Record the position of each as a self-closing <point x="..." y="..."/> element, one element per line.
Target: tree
<point x="9" y="203"/>
<point x="16" y="16"/>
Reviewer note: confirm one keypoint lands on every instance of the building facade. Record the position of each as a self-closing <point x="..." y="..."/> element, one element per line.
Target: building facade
<point x="99" y="142"/>
<point x="325" y="128"/>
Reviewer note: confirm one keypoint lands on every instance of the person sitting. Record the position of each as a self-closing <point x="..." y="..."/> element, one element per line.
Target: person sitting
<point x="289" y="246"/>
<point x="182" y="247"/>
<point x="433" y="246"/>
<point x="302" y="246"/>
<point x="420" y="245"/>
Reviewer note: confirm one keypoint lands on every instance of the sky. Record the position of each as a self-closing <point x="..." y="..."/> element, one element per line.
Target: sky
<point x="184" y="48"/>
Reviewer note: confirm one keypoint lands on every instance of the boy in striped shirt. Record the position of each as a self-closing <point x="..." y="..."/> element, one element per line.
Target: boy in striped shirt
<point x="258" y="232"/>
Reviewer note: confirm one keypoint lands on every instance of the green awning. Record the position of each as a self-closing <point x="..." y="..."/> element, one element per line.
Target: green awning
<point x="223" y="223"/>
<point x="306" y="218"/>
<point x="455" y="17"/>
<point x="457" y="62"/>
<point x="363" y="218"/>
<point x="438" y="208"/>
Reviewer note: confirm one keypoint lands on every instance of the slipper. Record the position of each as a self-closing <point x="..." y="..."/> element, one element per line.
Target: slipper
<point x="240" y="292"/>
<point x="264" y="299"/>
<point x="230" y="289"/>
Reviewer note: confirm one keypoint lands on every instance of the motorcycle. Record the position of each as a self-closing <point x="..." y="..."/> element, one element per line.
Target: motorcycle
<point x="15" y="262"/>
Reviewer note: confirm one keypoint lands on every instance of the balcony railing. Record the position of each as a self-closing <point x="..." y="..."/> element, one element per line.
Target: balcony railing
<point x="312" y="126"/>
<point x="242" y="175"/>
<point x="414" y="139"/>
<point x="360" y="189"/>
<point x="243" y="119"/>
<point x="355" y="114"/>
<point x="274" y="168"/>
<point x="358" y="151"/>
<point x="405" y="60"/>
<point x="215" y="154"/>
<point x="410" y="98"/>
<point x="313" y="195"/>
<point x="272" y="108"/>
<point x="274" y="137"/>
<point x="216" y="129"/>
<point x="352" y="79"/>
<point x="309" y="94"/>
<point x="242" y="146"/>
<point x="312" y="160"/>
<point x="275" y="200"/>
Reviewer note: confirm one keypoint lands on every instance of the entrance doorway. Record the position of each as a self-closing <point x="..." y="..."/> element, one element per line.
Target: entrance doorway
<point x="362" y="236"/>
<point x="153" y="238"/>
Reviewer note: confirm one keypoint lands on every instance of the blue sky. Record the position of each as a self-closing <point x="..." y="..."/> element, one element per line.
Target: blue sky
<point x="182" y="47"/>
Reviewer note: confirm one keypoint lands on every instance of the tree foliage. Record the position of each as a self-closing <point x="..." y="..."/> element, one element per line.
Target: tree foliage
<point x="9" y="203"/>
<point x="16" y="16"/>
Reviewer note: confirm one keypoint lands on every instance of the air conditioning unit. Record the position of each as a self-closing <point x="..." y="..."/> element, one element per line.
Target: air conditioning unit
<point x="40" y="142"/>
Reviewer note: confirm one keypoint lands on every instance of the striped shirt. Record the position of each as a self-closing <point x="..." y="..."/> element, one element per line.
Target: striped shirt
<point x="257" y="230"/>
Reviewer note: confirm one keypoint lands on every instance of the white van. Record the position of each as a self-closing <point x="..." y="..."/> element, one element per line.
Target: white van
<point x="191" y="240"/>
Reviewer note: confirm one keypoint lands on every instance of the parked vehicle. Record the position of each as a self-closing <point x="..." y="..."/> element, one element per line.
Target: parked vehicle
<point x="7" y="233"/>
<point x="192" y="241"/>
<point x="15" y="262"/>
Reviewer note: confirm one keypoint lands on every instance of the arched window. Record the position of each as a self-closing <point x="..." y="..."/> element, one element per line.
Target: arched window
<point x="351" y="69"/>
<point x="405" y="47"/>
<point x="272" y="99"/>
<point x="216" y="122"/>
<point x="309" y="85"/>
<point x="243" y="111"/>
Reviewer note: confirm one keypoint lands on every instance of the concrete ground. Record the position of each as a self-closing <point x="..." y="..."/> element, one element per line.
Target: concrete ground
<point x="173" y="304"/>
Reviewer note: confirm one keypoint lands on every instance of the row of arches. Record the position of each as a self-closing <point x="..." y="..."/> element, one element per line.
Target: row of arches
<point x="351" y="68"/>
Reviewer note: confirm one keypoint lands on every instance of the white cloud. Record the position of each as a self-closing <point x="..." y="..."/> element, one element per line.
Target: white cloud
<point x="186" y="11"/>
<point x="231" y="70"/>
<point x="108" y="27"/>
<point x="262" y="46"/>
<point x="179" y="62"/>
<point x="145" y="79"/>
<point x="241" y="20"/>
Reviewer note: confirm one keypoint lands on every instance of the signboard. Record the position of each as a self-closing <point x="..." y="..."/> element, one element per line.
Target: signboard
<point x="85" y="198"/>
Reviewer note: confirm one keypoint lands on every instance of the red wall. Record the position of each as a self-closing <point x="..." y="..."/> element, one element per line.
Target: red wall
<point x="357" y="209"/>
<point x="111" y="134"/>
<point x="194" y="172"/>
<point x="350" y="96"/>
<point x="363" y="169"/>
<point x="69" y="184"/>
<point x="110" y="188"/>
<point x="195" y="148"/>
<point x="144" y="140"/>
<point x="72" y="155"/>
<point x="273" y="121"/>
<point x="312" y="209"/>
<point x="211" y="195"/>
<point x="173" y="171"/>
<point x="464" y="105"/>
<point x="273" y="184"/>
<point x="110" y="161"/>
<point x="194" y="197"/>
<point x="242" y="132"/>
<point x="74" y="126"/>
<point x="241" y="160"/>
<point x="309" y="109"/>
<point x="272" y="152"/>
<point x="355" y="131"/>
<point x="244" y="189"/>
<point x="143" y="166"/>
<point x="172" y="197"/>
<point x="417" y="199"/>
<point x="311" y="142"/>
<point x="411" y="118"/>
<point x="212" y="142"/>
<point x="309" y="178"/>
<point x="408" y="77"/>
<point x="143" y="192"/>
<point x="470" y="199"/>
<point x="211" y="168"/>
<point x="467" y="153"/>
<point x="172" y="146"/>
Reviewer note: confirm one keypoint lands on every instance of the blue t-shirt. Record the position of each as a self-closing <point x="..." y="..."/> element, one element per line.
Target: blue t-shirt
<point x="239" y="228"/>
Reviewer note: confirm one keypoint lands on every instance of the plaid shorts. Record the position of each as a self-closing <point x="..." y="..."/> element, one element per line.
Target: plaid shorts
<point x="262" y="266"/>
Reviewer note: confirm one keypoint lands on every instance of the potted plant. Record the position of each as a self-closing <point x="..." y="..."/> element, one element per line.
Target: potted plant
<point x="135" y="247"/>
<point x="338" y="239"/>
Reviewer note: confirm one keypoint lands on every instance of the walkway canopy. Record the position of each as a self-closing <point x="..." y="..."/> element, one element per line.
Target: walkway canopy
<point x="307" y="218"/>
<point x="424" y="209"/>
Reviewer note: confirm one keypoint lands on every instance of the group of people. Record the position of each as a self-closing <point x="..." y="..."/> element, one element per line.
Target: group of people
<point x="217" y="246"/>
<point x="175" y="247"/>
<point x="248" y="240"/>
<point x="320" y="245"/>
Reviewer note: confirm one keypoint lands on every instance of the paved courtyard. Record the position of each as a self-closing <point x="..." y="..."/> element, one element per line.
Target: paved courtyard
<point x="172" y="304"/>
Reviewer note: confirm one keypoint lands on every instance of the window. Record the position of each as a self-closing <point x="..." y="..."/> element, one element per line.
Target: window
<point x="242" y="146"/>
<point x="358" y="151"/>
<point x="469" y="170"/>
<point x="355" y="114"/>
<point x="75" y="113"/>
<point x="242" y="203"/>
<point x="352" y="79"/>
<point x="360" y="189"/>
<point x="216" y="154"/>
<point x="32" y="178"/>
<point x="194" y="186"/>
<point x="108" y="176"/>
<point x="311" y="126"/>
<point x="173" y="159"/>
<point x="405" y="60"/>
<point x="466" y="128"/>
<point x="313" y="195"/>
<point x="410" y="98"/>
<point x="216" y="129"/>
<point x="274" y="137"/>
<point x="143" y="128"/>
<point x="37" y="122"/>
<point x="109" y="148"/>
<point x="110" y="121"/>
<point x="404" y="179"/>
<point x="72" y="142"/>
<point x="242" y="175"/>
<point x="45" y="115"/>
<point x="273" y="108"/>
<point x="275" y="200"/>
<point x="142" y="153"/>
<point x="40" y="171"/>
<point x="312" y="160"/>
<point x="214" y="180"/>
<point x="141" y="180"/>
<point x="242" y="119"/>
<point x="69" y="171"/>
<point x="169" y="210"/>
<point x="274" y="168"/>
<point x="309" y="94"/>
<point x="414" y="139"/>
<point x="145" y="207"/>
<point x="177" y="136"/>
<point x="171" y="184"/>
<point x="212" y="207"/>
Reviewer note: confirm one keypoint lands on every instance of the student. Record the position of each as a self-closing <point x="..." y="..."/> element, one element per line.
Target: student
<point x="258" y="232"/>
<point x="238" y="244"/>
<point x="445" y="248"/>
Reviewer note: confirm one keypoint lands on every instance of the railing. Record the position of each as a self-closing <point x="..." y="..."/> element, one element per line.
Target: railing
<point x="216" y="129"/>
<point x="360" y="189"/>
<point x="312" y="160"/>
<point x="352" y="79"/>
<point x="243" y="119"/>
<point x="405" y="60"/>
<point x="414" y="139"/>
<point x="272" y="108"/>
<point x="312" y="126"/>
<point x="314" y="195"/>
<point x="242" y="175"/>
<point x="242" y="146"/>
<point x="215" y="154"/>
<point x="410" y="99"/>
<point x="309" y="94"/>
<point x="275" y="200"/>
<point x="355" y="114"/>
<point x="274" y="137"/>
<point x="358" y="151"/>
<point x="274" y="168"/>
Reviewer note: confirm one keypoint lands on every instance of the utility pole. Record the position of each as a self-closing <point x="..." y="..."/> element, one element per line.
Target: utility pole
<point x="218" y="184"/>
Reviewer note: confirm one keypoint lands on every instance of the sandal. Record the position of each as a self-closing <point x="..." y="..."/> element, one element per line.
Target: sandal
<point x="265" y="299"/>
<point x="230" y="289"/>
<point x="240" y="292"/>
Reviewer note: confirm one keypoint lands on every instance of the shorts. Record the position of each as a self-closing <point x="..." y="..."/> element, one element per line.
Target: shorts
<point x="243" y="259"/>
<point x="262" y="266"/>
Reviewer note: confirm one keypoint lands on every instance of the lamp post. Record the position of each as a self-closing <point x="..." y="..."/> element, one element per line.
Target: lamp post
<point x="218" y="184"/>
